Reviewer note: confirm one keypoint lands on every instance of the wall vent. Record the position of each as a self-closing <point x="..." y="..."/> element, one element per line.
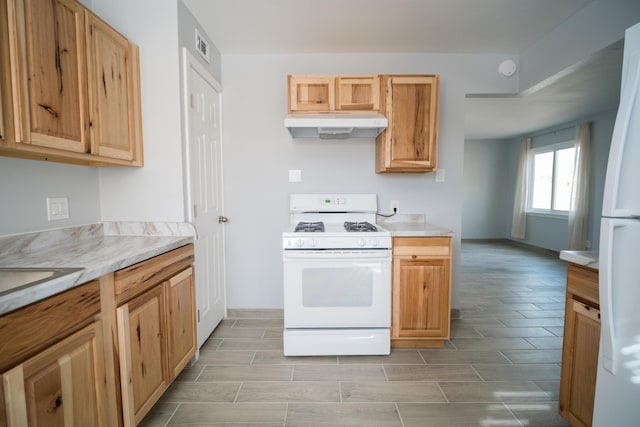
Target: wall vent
<point x="202" y="47"/>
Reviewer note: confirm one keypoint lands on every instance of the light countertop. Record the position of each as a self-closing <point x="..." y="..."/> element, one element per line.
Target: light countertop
<point x="412" y="225"/>
<point x="96" y="249"/>
<point x="586" y="258"/>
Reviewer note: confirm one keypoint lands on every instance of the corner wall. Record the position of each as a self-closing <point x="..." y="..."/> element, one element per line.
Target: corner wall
<point x="484" y="211"/>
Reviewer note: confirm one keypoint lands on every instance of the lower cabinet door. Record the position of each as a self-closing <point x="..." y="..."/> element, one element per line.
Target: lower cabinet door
<point x="579" y="363"/>
<point x="62" y="386"/>
<point x="181" y="322"/>
<point x="143" y="354"/>
<point x="421" y="298"/>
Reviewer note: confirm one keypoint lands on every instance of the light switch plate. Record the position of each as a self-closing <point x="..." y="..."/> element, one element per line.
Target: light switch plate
<point x="57" y="208"/>
<point x="295" y="175"/>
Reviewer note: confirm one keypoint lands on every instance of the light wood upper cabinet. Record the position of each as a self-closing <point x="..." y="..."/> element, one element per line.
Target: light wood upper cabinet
<point x="113" y="92"/>
<point x="48" y="66"/>
<point x="580" y="347"/>
<point x="325" y="94"/>
<point x="410" y="142"/>
<point x="312" y="93"/>
<point x="2" y="101"/>
<point x="73" y="83"/>
<point x="421" y="295"/>
<point x="358" y="93"/>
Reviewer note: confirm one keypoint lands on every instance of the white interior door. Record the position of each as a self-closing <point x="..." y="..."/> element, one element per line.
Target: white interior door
<point x="204" y="170"/>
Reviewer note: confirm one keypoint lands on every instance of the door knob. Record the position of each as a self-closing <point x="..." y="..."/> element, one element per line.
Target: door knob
<point x="222" y="219"/>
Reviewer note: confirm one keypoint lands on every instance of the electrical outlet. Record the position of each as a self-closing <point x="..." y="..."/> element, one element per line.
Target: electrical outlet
<point x="57" y="208"/>
<point x="439" y="175"/>
<point x="588" y="244"/>
<point x="395" y="205"/>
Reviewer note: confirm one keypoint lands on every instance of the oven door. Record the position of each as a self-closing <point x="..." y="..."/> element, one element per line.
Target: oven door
<point x="337" y="288"/>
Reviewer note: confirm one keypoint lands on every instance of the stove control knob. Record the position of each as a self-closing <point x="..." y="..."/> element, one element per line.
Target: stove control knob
<point x="373" y="242"/>
<point x="299" y="243"/>
<point x="361" y="243"/>
<point x="313" y="243"/>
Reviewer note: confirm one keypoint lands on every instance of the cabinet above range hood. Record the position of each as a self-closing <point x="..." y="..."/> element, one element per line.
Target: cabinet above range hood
<point x="335" y="126"/>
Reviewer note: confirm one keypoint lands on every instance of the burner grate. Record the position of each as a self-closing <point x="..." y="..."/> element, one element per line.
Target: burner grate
<point x="313" y="227"/>
<point x="359" y="226"/>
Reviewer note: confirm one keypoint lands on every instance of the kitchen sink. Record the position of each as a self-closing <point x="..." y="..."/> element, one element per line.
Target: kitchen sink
<point x="14" y="278"/>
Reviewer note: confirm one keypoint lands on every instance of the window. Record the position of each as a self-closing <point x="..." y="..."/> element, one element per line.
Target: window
<point x="551" y="178"/>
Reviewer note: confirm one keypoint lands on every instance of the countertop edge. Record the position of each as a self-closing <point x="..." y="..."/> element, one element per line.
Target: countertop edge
<point x="416" y="229"/>
<point x="588" y="259"/>
<point x="95" y="252"/>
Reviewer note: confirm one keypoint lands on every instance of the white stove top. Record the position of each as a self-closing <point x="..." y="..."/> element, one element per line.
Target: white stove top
<point x="333" y="210"/>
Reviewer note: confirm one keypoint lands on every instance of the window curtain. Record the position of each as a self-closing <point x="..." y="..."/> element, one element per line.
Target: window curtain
<point x="579" y="208"/>
<point x="519" y="222"/>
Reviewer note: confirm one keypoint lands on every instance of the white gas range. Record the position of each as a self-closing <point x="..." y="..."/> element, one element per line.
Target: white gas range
<point x="337" y="277"/>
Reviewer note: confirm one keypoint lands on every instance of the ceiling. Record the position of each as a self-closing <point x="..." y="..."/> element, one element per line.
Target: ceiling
<point x="435" y="26"/>
<point x="585" y="90"/>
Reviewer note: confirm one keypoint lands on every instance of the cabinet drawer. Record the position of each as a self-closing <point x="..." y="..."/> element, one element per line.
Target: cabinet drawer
<point x="135" y="279"/>
<point x="422" y="246"/>
<point x="583" y="282"/>
<point x="29" y="330"/>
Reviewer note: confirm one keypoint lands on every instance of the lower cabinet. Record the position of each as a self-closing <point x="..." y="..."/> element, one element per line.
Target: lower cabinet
<point x="421" y="299"/>
<point x="61" y="386"/>
<point x="142" y="332"/>
<point x="155" y="328"/>
<point x="182" y="338"/>
<point x="53" y="362"/>
<point x="102" y="353"/>
<point x="580" y="346"/>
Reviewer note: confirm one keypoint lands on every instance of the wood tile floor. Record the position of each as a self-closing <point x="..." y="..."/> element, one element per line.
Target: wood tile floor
<point x="500" y="368"/>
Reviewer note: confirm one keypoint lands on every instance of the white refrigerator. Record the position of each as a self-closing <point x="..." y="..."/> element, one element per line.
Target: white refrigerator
<point x="617" y="400"/>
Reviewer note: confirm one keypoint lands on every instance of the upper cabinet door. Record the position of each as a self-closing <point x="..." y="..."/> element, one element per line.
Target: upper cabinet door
<point x="48" y="69"/>
<point x="312" y="93"/>
<point x="358" y="93"/>
<point x="113" y="92"/>
<point x="410" y="142"/>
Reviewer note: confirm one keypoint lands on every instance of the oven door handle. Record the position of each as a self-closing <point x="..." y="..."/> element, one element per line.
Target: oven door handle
<point x="309" y="254"/>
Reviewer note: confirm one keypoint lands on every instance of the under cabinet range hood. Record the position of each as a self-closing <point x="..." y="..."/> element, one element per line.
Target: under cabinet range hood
<point x="335" y="126"/>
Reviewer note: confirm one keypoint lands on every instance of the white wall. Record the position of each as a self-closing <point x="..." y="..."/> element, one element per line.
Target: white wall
<point x="154" y="192"/>
<point x="25" y="185"/>
<point x="258" y="152"/>
<point x="484" y="212"/>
